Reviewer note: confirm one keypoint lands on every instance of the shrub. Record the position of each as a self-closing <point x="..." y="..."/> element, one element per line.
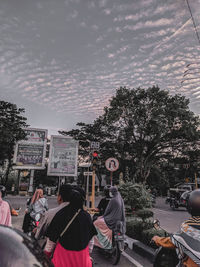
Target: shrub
<point x="135" y="195"/>
<point x="134" y="228"/>
<point x="144" y="214"/>
<point x="146" y="235"/>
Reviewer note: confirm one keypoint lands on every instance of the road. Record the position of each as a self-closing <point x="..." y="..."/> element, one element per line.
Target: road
<point x="169" y="220"/>
<point x="100" y="260"/>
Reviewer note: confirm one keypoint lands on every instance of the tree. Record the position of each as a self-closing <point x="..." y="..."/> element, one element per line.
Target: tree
<point x="12" y="125"/>
<point x="143" y="128"/>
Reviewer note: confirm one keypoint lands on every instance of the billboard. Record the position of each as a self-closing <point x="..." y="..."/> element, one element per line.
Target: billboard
<point x="63" y="156"/>
<point x="30" y="153"/>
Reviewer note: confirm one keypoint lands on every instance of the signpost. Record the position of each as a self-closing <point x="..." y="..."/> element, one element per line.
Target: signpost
<point x="63" y="156"/>
<point x="30" y="153"/>
<point x="94" y="145"/>
<point x="112" y="164"/>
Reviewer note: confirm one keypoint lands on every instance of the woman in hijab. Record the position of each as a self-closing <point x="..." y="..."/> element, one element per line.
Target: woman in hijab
<point x="114" y="213"/>
<point x="37" y="206"/>
<point x="70" y="232"/>
<point x="5" y="215"/>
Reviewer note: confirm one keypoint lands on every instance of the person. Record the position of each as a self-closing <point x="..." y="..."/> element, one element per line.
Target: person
<point x="5" y="215"/>
<point x="63" y="201"/>
<point x="69" y="233"/>
<point x="103" y="203"/>
<point x="114" y="213"/>
<point x="12" y="210"/>
<point x="37" y="205"/>
<point x="17" y="250"/>
<point x="187" y="241"/>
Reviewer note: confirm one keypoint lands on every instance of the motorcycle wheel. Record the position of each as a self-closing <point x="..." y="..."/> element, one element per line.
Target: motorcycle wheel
<point x="165" y="257"/>
<point x="172" y="206"/>
<point x="116" y="253"/>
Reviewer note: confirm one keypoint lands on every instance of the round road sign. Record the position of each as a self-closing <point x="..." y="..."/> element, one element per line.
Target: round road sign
<point x="112" y="164"/>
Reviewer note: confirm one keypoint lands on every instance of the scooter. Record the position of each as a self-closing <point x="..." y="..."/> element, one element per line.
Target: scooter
<point x="164" y="256"/>
<point x="118" y="245"/>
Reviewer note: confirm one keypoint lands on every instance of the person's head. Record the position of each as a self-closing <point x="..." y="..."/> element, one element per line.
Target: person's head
<point x="37" y="195"/>
<point x="106" y="190"/>
<point x="16" y="249"/>
<point x="64" y="193"/>
<point x="113" y="191"/>
<point x="40" y="186"/>
<point x="77" y="198"/>
<point x="193" y="205"/>
<point x="80" y="190"/>
<point x="2" y="191"/>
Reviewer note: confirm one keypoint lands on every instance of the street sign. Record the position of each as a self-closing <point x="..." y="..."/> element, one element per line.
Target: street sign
<point x="87" y="173"/>
<point x="94" y="145"/>
<point x="112" y="164"/>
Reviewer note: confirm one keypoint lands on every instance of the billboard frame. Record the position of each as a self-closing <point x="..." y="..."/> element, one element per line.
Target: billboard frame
<point x="26" y="142"/>
<point x="49" y="173"/>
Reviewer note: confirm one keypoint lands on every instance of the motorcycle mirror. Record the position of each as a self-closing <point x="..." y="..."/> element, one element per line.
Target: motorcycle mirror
<point x="156" y="223"/>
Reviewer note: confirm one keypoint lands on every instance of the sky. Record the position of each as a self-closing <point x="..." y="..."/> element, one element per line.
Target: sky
<point x="62" y="60"/>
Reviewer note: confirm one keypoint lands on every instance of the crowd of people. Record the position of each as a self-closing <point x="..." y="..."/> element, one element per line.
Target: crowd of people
<point x="68" y="233"/>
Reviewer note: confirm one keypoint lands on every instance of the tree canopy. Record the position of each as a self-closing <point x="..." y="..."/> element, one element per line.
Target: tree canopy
<point x="12" y="124"/>
<point x="142" y="127"/>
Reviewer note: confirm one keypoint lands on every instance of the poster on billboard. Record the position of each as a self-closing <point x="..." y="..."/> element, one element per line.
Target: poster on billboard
<point x="30" y="153"/>
<point x="63" y="156"/>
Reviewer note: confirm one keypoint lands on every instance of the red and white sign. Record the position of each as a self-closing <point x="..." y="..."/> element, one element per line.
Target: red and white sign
<point x="112" y="164"/>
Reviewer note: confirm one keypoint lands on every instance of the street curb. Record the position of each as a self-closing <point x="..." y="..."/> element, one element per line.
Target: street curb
<point x="140" y="248"/>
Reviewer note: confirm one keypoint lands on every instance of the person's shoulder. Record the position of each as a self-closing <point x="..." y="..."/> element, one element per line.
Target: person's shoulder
<point x="86" y="215"/>
<point x="5" y="203"/>
<point x="62" y="210"/>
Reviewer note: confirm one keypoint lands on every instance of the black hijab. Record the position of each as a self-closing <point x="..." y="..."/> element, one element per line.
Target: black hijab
<point x="81" y="230"/>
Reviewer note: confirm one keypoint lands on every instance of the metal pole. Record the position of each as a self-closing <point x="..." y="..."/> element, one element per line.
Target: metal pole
<point x="30" y="190"/>
<point x="93" y="189"/>
<point x="58" y="184"/>
<point x="18" y="180"/>
<point x="195" y="175"/>
<point x="111" y="176"/>
<point x="87" y="189"/>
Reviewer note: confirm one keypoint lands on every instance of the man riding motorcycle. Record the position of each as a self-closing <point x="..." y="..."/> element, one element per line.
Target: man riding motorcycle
<point x="187" y="241"/>
<point x="103" y="203"/>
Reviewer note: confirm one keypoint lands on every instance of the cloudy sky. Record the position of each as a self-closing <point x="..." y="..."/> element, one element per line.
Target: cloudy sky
<point x="62" y="60"/>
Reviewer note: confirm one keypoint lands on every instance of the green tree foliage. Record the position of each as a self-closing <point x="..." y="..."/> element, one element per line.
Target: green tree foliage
<point x="142" y="128"/>
<point x="135" y="195"/>
<point x="12" y="124"/>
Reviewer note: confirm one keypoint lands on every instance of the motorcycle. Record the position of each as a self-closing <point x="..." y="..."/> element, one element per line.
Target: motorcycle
<point x="118" y="245"/>
<point x="33" y="225"/>
<point x="164" y="256"/>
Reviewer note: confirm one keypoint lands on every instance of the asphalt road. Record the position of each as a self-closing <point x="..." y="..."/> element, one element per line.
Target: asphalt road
<point x="99" y="259"/>
<point x="169" y="220"/>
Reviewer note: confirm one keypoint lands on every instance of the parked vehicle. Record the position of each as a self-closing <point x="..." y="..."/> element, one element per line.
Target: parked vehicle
<point x="178" y="196"/>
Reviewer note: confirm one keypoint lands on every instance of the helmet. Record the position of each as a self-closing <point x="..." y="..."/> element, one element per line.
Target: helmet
<point x="17" y="249"/>
<point x="3" y="190"/>
<point x="106" y="190"/>
<point x="193" y="206"/>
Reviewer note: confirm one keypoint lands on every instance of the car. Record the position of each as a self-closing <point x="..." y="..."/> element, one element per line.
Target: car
<point x="178" y="196"/>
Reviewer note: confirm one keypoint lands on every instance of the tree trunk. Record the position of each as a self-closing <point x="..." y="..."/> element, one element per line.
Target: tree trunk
<point x="7" y="171"/>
